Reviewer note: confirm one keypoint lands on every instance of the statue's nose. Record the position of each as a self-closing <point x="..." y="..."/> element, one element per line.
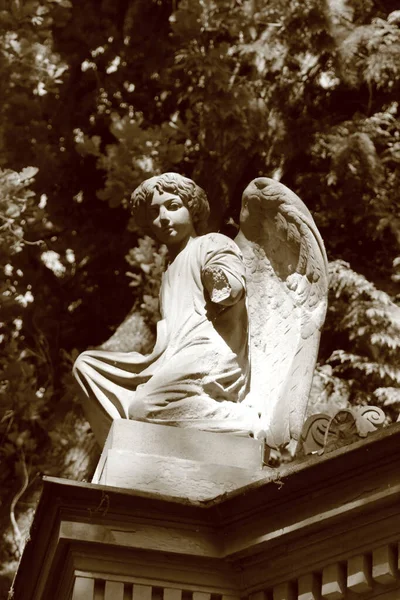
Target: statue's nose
<point x="163" y="214"/>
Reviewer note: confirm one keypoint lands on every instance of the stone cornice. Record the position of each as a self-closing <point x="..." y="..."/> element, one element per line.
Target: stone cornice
<point x="299" y="518"/>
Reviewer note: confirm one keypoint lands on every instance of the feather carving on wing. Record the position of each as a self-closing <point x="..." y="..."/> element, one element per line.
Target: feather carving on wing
<point x="287" y="285"/>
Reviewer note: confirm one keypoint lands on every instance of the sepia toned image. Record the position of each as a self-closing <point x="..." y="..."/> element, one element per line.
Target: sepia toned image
<point x="200" y="300"/>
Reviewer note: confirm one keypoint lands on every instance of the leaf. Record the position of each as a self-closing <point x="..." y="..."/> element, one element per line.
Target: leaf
<point x="28" y="173"/>
<point x="13" y="210"/>
<point x="89" y="145"/>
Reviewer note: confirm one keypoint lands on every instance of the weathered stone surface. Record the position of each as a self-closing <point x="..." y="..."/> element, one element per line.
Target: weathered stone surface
<point x="324" y="433"/>
<point x="177" y="462"/>
<point x="173" y="476"/>
<point x="287" y="275"/>
<point x="199" y="374"/>
<point x="192" y="444"/>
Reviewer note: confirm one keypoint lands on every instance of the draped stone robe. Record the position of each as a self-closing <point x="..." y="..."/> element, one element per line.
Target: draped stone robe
<point x="198" y="372"/>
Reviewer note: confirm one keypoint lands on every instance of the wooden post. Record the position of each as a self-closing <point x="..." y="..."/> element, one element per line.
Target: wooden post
<point x="114" y="590"/>
<point x="141" y="592"/>
<point x="384" y="565"/>
<point x="83" y="588"/>
<point x="333" y="582"/>
<point x="359" y="574"/>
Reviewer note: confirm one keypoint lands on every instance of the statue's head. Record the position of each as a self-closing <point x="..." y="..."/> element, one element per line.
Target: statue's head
<point x="192" y="196"/>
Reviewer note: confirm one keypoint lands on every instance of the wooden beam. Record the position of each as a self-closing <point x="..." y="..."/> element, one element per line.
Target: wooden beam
<point x="284" y="591"/>
<point x="201" y="596"/>
<point x="114" y="590"/>
<point x="83" y="589"/>
<point x="384" y="565"/>
<point x="359" y="574"/>
<point x="172" y="594"/>
<point x="309" y="587"/>
<point x="141" y="592"/>
<point x="258" y="596"/>
<point x="333" y="582"/>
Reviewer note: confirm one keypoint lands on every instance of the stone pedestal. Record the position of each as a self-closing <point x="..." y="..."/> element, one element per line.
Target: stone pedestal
<point x="324" y="528"/>
<point x="188" y="463"/>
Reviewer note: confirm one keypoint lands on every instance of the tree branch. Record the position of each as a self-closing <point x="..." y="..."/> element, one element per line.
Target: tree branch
<point x="16" y="530"/>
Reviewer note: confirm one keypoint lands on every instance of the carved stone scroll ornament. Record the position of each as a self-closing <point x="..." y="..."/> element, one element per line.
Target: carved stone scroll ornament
<point x="323" y="433"/>
<point x="222" y="362"/>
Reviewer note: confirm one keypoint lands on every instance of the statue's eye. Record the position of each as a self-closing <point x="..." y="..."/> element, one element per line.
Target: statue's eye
<point x="154" y="212"/>
<point x="174" y="206"/>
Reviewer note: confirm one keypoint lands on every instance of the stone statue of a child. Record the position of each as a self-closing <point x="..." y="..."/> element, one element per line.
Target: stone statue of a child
<point x="198" y="373"/>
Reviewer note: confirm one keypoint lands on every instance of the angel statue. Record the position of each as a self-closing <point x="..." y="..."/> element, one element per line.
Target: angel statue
<point x="238" y="339"/>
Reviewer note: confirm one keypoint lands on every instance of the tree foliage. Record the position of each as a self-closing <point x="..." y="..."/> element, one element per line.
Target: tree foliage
<point x="96" y="96"/>
<point x="369" y="322"/>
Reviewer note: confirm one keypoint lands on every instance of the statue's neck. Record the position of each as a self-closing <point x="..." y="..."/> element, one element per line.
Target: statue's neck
<point x="175" y="249"/>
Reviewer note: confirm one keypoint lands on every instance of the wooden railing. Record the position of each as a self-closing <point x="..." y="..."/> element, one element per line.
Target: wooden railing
<point x="368" y="575"/>
<point x="89" y="588"/>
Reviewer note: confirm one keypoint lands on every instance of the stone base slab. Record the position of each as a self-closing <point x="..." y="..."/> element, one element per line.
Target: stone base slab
<point x="198" y="465"/>
<point x="177" y="477"/>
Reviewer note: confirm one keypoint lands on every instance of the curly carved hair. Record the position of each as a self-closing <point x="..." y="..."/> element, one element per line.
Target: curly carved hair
<point x="192" y="196"/>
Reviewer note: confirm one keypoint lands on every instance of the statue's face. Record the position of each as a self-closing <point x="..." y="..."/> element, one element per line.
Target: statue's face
<point x="170" y="220"/>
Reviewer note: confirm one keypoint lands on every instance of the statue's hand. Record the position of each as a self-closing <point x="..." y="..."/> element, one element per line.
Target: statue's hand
<point x="222" y="288"/>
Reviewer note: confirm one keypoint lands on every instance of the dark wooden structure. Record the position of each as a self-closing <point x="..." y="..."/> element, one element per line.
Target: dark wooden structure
<point x="322" y="527"/>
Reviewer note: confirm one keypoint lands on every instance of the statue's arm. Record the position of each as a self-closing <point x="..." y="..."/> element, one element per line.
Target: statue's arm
<point x="223" y="288"/>
<point x="223" y="273"/>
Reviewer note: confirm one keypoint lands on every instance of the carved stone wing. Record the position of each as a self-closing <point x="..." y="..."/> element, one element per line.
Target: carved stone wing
<point x="287" y="284"/>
